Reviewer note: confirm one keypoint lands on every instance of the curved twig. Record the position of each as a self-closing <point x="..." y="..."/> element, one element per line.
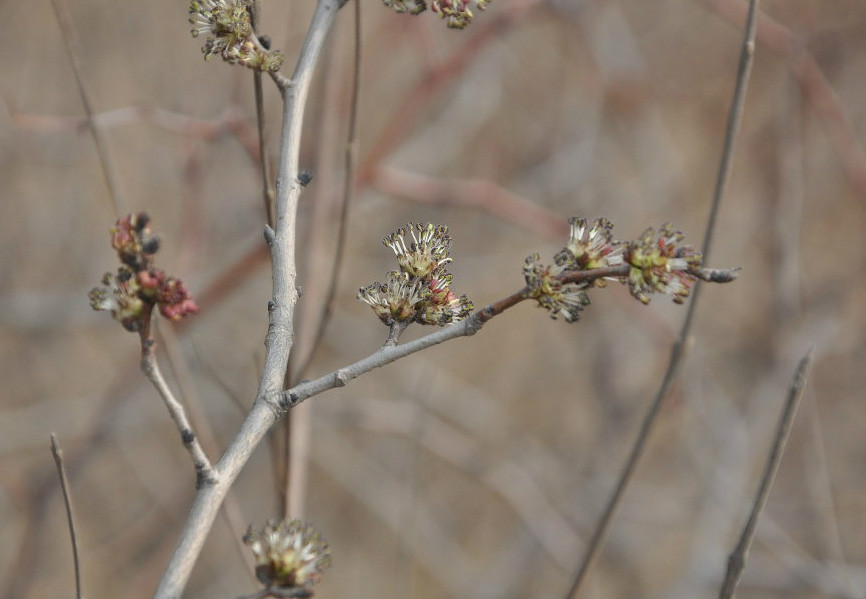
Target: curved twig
<point x="74" y="52"/>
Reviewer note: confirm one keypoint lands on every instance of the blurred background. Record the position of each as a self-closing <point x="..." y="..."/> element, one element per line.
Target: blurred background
<point x="477" y="468"/>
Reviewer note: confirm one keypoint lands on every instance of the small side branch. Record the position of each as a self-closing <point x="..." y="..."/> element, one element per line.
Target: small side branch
<point x="150" y="368"/>
<point x="57" y="453"/>
<point x="737" y="559"/>
<point x="392" y="352"/>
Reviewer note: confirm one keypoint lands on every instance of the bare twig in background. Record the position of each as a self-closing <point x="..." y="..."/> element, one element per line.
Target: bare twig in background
<point x="677" y="353"/>
<point x="434" y="79"/>
<point x="737" y="559"/>
<point x="74" y="52"/>
<point x="267" y="192"/>
<point x="473" y="193"/>
<point x="231" y="121"/>
<point x="779" y="39"/>
<point x="343" y="461"/>
<point x="316" y="267"/>
<point x="348" y="186"/>
<point x="508" y="478"/>
<point x="57" y="453"/>
<point x="298" y="423"/>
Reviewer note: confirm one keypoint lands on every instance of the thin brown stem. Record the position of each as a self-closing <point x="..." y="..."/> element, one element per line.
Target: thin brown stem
<point x="419" y="96"/>
<point x="74" y="51"/>
<point x="747" y="53"/>
<point x="472" y="193"/>
<point x="737" y="558"/>
<point x="150" y="368"/>
<point x="267" y="191"/>
<point x="57" y="453"/>
<point x="298" y="424"/>
<point x="816" y="89"/>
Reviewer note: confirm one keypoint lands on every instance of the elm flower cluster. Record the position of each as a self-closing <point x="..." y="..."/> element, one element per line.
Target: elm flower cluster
<point x="131" y="294"/>
<point x="456" y="13"/>
<point x="659" y="265"/>
<point x="653" y="263"/>
<point x="229" y="32"/>
<point x="560" y="299"/>
<point x="589" y="247"/>
<point x="421" y="290"/>
<point x="289" y="555"/>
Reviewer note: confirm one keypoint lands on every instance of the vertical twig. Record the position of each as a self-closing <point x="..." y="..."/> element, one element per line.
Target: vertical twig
<point x="70" y="516"/>
<point x="737" y="558"/>
<point x="298" y="425"/>
<point x="74" y="51"/>
<point x="349" y="159"/>
<point x="267" y="191"/>
<point x="278" y="341"/>
<point x="744" y="68"/>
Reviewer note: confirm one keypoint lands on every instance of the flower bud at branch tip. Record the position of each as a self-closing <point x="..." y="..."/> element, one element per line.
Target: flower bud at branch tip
<point x="421" y="290"/>
<point x="456" y="13"/>
<point x="131" y="294"/>
<point x="655" y="262"/>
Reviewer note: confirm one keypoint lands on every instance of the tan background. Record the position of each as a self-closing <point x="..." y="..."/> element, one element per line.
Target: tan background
<point x="475" y="469"/>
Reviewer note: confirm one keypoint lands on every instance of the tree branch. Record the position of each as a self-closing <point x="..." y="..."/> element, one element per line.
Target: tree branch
<point x="150" y="368"/>
<point x="278" y="341"/>
<point x="737" y="559"/>
<point x="57" y="453"/>
<point x="74" y="51"/>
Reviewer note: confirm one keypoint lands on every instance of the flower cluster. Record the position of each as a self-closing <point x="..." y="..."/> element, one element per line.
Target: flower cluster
<point x="421" y="290"/>
<point x="137" y="287"/>
<point x="544" y="286"/>
<point x="457" y="13"/>
<point x="653" y="263"/>
<point x="230" y="35"/>
<point x="589" y="247"/>
<point x="289" y="555"/>
<point x="659" y="265"/>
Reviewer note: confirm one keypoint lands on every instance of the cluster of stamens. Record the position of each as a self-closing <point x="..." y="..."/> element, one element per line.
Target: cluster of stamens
<point x="656" y="263"/>
<point x="421" y="290"/>
<point x="457" y="13"/>
<point x="290" y="555"/>
<point x="227" y="26"/>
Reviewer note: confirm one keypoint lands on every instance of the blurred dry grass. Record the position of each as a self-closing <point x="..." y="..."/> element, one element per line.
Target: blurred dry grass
<point x="478" y="468"/>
